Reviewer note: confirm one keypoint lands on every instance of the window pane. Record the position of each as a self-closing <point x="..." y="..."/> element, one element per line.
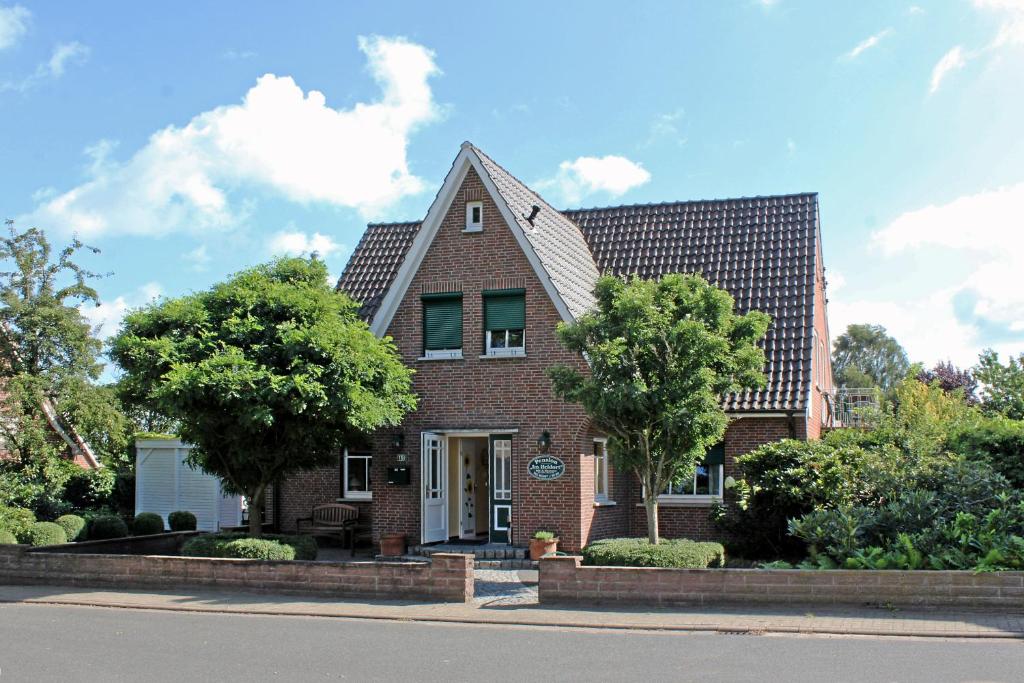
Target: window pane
<point x="515" y="338"/>
<point x="702" y="481"/>
<point x="497" y="339"/>
<point x="716" y="480"/>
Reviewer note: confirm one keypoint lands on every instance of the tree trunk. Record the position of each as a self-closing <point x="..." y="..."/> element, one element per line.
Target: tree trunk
<point x="256" y="512"/>
<point x="651" y="503"/>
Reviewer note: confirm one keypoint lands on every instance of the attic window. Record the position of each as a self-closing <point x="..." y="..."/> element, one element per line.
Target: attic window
<point x="474" y="216"/>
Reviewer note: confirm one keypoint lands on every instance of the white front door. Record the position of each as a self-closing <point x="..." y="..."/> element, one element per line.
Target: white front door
<point x="434" y="478"/>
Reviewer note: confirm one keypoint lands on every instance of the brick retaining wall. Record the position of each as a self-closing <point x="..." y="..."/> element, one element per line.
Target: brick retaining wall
<point x="563" y="580"/>
<point x="446" y="577"/>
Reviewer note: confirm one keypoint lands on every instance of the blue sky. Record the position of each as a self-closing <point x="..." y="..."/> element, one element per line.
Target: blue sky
<point x="190" y="140"/>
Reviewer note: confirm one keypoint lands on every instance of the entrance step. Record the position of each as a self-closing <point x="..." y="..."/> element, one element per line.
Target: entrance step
<point x="486" y="556"/>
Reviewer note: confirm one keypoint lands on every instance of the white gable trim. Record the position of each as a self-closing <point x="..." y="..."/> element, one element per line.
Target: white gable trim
<point x="466" y="159"/>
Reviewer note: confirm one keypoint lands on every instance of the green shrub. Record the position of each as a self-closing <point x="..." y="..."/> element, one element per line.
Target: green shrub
<point x="89" y="489"/>
<point x="216" y="545"/>
<point x="7" y="538"/>
<point x="16" y="520"/>
<point x="147" y="523"/>
<point x="998" y="441"/>
<point x="182" y="521"/>
<point x="544" y="536"/>
<point x="73" y="526"/>
<point x="46" y="533"/>
<point x="637" y="552"/>
<point x="259" y="549"/>
<point x="107" y="526"/>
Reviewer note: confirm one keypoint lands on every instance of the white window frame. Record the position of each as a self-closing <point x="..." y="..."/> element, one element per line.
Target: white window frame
<point x="695" y="497"/>
<point x="601" y="477"/>
<point x="470" y="225"/>
<point x="505" y="350"/>
<point x="356" y="495"/>
<point x="442" y="354"/>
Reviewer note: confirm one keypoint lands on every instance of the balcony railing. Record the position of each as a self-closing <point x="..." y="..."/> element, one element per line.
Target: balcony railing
<point x="856" y="406"/>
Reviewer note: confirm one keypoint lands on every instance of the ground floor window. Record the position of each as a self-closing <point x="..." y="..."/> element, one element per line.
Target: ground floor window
<point x="705" y="481"/>
<point x="600" y="470"/>
<point x="355" y="475"/>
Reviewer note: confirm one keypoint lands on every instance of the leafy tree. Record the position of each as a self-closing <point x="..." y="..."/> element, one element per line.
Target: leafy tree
<point x="950" y="378"/>
<point x="661" y="354"/>
<point x="49" y="357"/>
<point x="1003" y="385"/>
<point x="866" y="356"/>
<point x="267" y="374"/>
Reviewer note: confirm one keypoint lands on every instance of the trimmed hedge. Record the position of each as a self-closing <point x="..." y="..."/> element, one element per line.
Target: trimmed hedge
<point x="217" y="545"/>
<point x="148" y="523"/>
<point x="259" y="549"/>
<point x="46" y="533"/>
<point x="16" y="520"/>
<point x="637" y="552"/>
<point x="107" y="526"/>
<point x="7" y="538"/>
<point x="182" y="520"/>
<point x="73" y="526"/>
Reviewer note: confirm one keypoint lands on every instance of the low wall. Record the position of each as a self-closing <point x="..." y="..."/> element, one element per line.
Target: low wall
<point x="446" y="577"/>
<point x="156" y="544"/>
<point x="565" y="580"/>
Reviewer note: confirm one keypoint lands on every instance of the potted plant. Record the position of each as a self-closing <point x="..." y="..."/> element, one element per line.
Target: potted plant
<point x="392" y="545"/>
<point x="543" y="543"/>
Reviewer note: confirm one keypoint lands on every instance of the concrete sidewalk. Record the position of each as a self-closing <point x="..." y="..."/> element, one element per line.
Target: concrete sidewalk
<point x="840" y="621"/>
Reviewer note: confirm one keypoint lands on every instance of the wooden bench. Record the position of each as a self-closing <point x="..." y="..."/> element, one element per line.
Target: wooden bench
<point x="333" y="520"/>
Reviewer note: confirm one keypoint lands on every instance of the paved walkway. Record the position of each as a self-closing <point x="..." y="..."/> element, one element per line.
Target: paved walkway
<point x="498" y="605"/>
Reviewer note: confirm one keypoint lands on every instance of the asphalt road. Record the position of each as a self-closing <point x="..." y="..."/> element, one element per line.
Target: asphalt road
<point x="49" y="643"/>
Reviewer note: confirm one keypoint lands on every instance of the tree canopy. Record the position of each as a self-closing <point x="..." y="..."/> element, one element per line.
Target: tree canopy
<point x="1003" y="385"/>
<point x="952" y="379"/>
<point x="661" y="355"/>
<point x="266" y="374"/>
<point x="866" y="356"/>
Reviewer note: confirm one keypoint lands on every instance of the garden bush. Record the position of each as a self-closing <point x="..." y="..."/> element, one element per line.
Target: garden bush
<point x="147" y="523"/>
<point x="998" y="441"/>
<point x="638" y="552"/>
<point x="16" y="520"/>
<point x="107" y="526"/>
<point x="259" y="549"/>
<point x="46" y="533"/>
<point x="182" y="521"/>
<point x="216" y="545"/>
<point x="89" y="489"/>
<point x="7" y="538"/>
<point x="73" y="526"/>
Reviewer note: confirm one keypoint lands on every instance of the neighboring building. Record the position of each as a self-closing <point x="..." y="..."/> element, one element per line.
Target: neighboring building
<point x="75" y="447"/>
<point x="472" y="296"/>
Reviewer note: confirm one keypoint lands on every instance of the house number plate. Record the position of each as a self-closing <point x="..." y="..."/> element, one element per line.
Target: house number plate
<point x="546" y="467"/>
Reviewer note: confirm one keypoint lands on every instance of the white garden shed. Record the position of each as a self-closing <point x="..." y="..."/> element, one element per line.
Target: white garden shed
<point x="165" y="483"/>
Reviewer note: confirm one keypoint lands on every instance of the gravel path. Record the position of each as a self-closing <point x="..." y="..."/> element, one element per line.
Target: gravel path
<point x="503" y="587"/>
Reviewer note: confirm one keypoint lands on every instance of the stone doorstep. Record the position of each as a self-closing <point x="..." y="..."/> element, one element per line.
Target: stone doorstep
<point x="480" y="552"/>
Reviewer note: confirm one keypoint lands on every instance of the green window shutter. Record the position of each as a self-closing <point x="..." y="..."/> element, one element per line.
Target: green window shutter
<point x="504" y="309"/>
<point x="716" y="455"/>
<point x="442" y="321"/>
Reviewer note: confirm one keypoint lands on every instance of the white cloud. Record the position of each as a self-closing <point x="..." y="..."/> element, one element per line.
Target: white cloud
<point x="964" y="313"/>
<point x="915" y="10"/>
<point x="234" y="55"/>
<point x="106" y="318"/>
<point x="612" y="174"/>
<point x="836" y="281"/>
<point x="1011" y="29"/>
<point x="279" y="139"/>
<point x="198" y="257"/>
<point x="297" y="243"/>
<point x="666" y="127"/>
<point x="951" y="61"/>
<point x="791" y="146"/>
<point x="867" y="44"/>
<point x="53" y="68"/>
<point x="13" y="25"/>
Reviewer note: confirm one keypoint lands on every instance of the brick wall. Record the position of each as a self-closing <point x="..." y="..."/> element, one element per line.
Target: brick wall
<point x="445" y="577"/>
<point x="302" y="491"/>
<point x="563" y="580"/>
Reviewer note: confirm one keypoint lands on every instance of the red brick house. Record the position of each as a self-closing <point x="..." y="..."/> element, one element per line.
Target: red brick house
<point x="472" y="295"/>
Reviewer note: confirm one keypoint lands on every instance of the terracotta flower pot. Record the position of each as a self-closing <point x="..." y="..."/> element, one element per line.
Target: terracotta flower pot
<point x="539" y="547"/>
<point x="392" y="545"/>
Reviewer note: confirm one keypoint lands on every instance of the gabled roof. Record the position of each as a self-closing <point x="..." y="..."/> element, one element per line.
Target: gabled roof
<point x="760" y="249"/>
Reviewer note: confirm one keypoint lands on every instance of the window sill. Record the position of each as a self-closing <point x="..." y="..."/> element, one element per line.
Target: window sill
<point x="471" y="231"/>
<point x="605" y="503"/>
<point x="446" y="357"/>
<point x="489" y="356"/>
<point x="686" y="501"/>
<point x="355" y="499"/>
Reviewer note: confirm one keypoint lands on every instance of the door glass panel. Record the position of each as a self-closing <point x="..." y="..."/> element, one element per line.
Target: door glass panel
<point x="502" y="469"/>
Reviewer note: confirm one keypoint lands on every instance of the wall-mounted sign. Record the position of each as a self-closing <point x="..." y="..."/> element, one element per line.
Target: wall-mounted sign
<point x="546" y="467"/>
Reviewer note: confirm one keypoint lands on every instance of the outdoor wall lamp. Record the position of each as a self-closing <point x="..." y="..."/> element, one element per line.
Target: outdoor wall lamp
<point x="544" y="441"/>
